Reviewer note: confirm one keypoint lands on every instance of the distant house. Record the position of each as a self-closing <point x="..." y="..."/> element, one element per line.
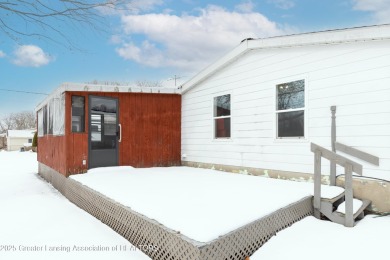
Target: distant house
<point x="3" y="140"/>
<point x="17" y="139"/>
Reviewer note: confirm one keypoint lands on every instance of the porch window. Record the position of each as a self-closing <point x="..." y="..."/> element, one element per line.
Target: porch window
<point x="44" y="123"/>
<point x="40" y="123"/>
<point x="222" y="116"/>
<point x="78" y="114"/>
<point x="50" y="116"/>
<point x="290" y="109"/>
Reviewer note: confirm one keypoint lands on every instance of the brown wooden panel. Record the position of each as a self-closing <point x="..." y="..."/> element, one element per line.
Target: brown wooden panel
<point x="51" y="151"/>
<point x="151" y="132"/>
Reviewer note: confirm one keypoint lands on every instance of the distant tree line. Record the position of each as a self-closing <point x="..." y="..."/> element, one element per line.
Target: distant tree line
<point x="18" y="121"/>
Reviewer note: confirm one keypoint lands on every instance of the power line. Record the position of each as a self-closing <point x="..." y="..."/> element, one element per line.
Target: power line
<point x="22" y="91"/>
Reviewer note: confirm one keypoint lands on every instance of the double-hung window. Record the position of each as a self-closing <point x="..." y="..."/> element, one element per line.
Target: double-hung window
<point x="222" y="116"/>
<point x="290" y="109"/>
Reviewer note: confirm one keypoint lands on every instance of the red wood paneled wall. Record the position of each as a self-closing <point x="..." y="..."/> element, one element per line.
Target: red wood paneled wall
<point x="76" y="143"/>
<point x="151" y="133"/>
<point x="51" y="151"/>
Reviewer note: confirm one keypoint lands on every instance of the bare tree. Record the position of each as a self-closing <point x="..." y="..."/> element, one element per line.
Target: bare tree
<point x="148" y="84"/>
<point x="24" y="120"/>
<point x="6" y="123"/>
<point x="43" y="18"/>
<point x="18" y="121"/>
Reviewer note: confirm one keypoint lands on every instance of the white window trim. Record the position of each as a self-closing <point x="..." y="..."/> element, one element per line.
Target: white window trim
<point x="222" y="139"/>
<point x="305" y="138"/>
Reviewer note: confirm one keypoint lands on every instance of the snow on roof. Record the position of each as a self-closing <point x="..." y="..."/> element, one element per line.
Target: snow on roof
<point x="358" y="34"/>
<point x="109" y="87"/>
<point x="21" y="133"/>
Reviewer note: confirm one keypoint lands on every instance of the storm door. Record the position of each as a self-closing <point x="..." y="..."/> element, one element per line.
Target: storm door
<point x="103" y="131"/>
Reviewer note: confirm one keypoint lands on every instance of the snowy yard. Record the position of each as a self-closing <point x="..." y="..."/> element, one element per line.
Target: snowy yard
<point x="322" y="240"/>
<point x="202" y="204"/>
<point x="37" y="222"/>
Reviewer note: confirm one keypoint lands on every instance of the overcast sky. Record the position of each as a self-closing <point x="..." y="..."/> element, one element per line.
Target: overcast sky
<point x="157" y="39"/>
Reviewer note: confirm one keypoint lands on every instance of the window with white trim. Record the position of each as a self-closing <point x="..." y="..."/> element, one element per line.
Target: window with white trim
<point x="222" y="117"/>
<point x="290" y="109"/>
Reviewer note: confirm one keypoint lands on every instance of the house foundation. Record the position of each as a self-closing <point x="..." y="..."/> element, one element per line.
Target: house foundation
<point x="378" y="192"/>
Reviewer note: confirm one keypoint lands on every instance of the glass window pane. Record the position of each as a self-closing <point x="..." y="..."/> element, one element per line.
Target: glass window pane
<point x="45" y="120"/>
<point x="96" y="128"/>
<point x="103" y="105"/>
<point x="222" y="106"/>
<point x="78" y="117"/>
<point x="110" y="124"/>
<point x="103" y="123"/>
<point x="222" y="128"/>
<point x="40" y="123"/>
<point x="50" y="108"/>
<point x="59" y="115"/>
<point x="77" y="124"/>
<point x="291" y="95"/>
<point x="291" y="124"/>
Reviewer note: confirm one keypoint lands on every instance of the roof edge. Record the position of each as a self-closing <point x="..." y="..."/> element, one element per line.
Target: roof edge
<point x="337" y="36"/>
<point x="238" y="51"/>
<point x="108" y="88"/>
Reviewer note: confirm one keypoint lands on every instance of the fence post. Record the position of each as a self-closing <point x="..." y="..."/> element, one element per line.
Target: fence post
<point x="332" y="177"/>
<point x="348" y="196"/>
<point x="317" y="184"/>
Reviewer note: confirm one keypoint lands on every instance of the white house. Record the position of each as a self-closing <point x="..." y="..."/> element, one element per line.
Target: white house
<point x="258" y="108"/>
<point x="19" y="138"/>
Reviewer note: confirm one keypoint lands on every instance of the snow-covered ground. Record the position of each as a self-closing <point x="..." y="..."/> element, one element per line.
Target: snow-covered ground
<point x="37" y="222"/>
<point x="202" y="204"/>
<point x="311" y="238"/>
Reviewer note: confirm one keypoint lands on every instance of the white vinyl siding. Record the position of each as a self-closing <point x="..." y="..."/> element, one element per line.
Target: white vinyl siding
<point x="354" y="77"/>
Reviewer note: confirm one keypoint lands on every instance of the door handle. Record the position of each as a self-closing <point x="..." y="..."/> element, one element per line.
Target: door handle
<point x="120" y="133"/>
